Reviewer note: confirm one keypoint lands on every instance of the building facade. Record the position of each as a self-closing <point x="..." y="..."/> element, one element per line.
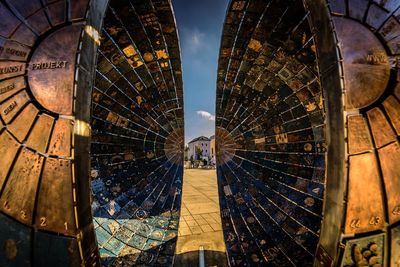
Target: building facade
<point x="203" y="143"/>
<point x="212" y="149"/>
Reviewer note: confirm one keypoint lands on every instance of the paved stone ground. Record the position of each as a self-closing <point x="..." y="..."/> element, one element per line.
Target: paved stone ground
<point x="200" y="223"/>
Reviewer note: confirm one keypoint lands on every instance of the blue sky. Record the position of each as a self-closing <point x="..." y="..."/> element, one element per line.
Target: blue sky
<point x="200" y="25"/>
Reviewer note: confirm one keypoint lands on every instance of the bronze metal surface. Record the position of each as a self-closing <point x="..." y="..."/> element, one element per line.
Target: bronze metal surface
<point x="24" y="35"/>
<point x="26" y="8"/>
<point x="11" y="50"/>
<point x="51" y="70"/>
<point x="380" y="127"/>
<point x="364" y="203"/>
<point x="8" y="151"/>
<point x="8" y="23"/>
<point x="397" y="89"/>
<point x="11" y="69"/>
<point x="40" y="135"/>
<point x="56" y="12"/>
<point x="22" y="124"/>
<point x="9" y="108"/>
<point x="364" y="250"/>
<point x="19" y="194"/>
<point x="366" y="64"/>
<point x="37" y="189"/>
<point x="60" y="144"/>
<point x="55" y="201"/>
<point x="395" y="253"/>
<point x="39" y="22"/>
<point x="11" y="86"/>
<point x="358" y="134"/>
<point x="390" y="164"/>
<point x="78" y="9"/>
<point x="392" y="107"/>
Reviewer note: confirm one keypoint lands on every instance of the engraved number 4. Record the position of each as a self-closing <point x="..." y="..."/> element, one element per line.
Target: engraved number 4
<point x="356" y="223"/>
<point x="374" y="220"/>
<point x="396" y="210"/>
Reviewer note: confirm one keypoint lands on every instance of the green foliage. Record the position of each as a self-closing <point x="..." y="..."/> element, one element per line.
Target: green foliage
<point x="199" y="152"/>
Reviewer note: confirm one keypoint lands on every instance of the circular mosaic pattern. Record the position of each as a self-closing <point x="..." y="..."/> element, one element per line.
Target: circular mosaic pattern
<point x="270" y="135"/>
<point x="137" y="140"/>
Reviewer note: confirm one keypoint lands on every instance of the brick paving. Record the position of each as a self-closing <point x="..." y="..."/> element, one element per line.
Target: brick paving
<point x="200" y="222"/>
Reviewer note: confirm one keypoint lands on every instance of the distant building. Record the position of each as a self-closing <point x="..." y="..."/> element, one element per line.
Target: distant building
<point x="212" y="149"/>
<point x="186" y="153"/>
<point x="204" y="144"/>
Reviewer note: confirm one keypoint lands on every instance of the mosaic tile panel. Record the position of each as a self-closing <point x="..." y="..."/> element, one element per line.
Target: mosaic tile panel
<point x="137" y="140"/>
<point x="270" y="135"/>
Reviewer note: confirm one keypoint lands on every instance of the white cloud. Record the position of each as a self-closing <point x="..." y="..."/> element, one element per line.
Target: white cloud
<point x="206" y="115"/>
<point x="195" y="40"/>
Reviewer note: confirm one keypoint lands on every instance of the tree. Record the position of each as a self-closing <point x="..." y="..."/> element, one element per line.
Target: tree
<point x="199" y="152"/>
<point x="186" y="153"/>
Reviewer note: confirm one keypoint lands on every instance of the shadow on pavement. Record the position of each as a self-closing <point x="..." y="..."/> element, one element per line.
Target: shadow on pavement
<point x="212" y="258"/>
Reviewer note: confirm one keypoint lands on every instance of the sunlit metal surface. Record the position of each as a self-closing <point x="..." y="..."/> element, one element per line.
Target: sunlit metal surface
<point x="365" y="62"/>
<point x="308" y="124"/>
<point x="268" y="103"/>
<point x="365" y="34"/>
<point x="43" y="214"/>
